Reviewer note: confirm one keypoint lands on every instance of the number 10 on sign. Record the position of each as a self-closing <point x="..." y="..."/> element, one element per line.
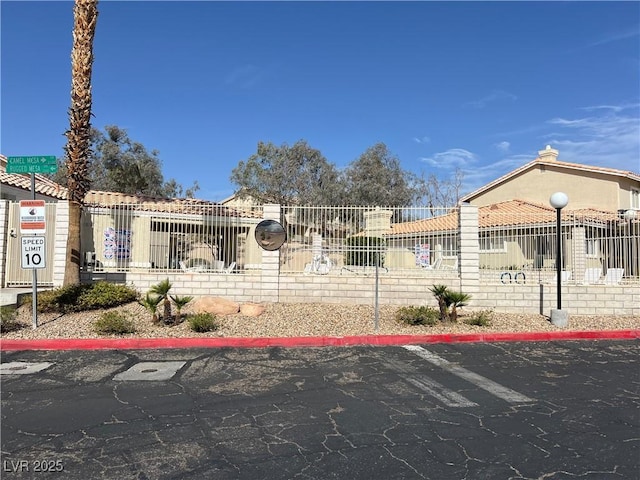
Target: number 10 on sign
<point x="33" y="252"/>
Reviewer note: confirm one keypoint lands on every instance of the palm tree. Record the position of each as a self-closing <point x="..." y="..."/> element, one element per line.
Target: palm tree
<point x="456" y="300"/>
<point x="180" y="304"/>
<point x="162" y="291"/>
<point x="85" y="15"/>
<point x="151" y="304"/>
<point x="439" y="291"/>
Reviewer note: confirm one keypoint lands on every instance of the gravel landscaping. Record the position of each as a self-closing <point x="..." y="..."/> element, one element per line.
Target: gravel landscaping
<point x="295" y="320"/>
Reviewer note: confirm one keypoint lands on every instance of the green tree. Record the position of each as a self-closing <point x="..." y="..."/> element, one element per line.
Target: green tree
<point x="85" y="16"/>
<point x="119" y="164"/>
<point x="376" y="178"/>
<point x="288" y="175"/>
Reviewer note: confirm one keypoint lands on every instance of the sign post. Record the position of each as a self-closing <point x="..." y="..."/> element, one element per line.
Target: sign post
<point x="32" y="217"/>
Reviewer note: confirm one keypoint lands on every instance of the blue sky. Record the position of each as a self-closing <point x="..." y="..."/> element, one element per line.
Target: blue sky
<point x="481" y="85"/>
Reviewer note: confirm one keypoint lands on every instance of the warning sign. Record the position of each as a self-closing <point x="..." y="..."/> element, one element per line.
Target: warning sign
<point x="32" y="216"/>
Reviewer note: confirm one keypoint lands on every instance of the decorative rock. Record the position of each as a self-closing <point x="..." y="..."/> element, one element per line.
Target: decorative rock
<point x="251" y="309"/>
<point x="215" y="305"/>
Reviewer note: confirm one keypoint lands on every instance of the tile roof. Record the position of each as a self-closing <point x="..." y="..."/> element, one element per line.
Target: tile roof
<point x="95" y="198"/>
<point x="510" y="213"/>
<point x="43" y="185"/>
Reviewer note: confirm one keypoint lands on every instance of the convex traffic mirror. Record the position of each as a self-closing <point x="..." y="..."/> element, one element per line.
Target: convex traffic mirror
<point x="270" y="235"/>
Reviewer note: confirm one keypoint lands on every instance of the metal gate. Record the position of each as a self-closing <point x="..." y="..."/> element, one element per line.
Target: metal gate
<point x="16" y="276"/>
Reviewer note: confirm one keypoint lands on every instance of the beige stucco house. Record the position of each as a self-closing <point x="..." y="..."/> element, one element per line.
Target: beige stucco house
<point x="587" y="186"/>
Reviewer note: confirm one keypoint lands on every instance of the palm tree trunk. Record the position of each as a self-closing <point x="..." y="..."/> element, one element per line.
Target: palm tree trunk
<point x="85" y="14"/>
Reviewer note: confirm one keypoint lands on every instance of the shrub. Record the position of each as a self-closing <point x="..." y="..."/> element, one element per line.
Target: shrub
<point x="114" y="323"/>
<point x="203" y="322"/>
<point x="361" y="251"/>
<point x="481" y="318"/>
<point x="8" y="322"/>
<point x="106" y="295"/>
<point x="417" y="315"/>
<point x="78" y="297"/>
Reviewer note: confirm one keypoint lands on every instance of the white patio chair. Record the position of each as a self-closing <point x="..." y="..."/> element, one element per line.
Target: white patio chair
<point x="613" y="276"/>
<point x="592" y="275"/>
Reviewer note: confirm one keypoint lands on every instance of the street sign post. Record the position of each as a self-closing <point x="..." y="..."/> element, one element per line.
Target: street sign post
<point x="33" y="252"/>
<point x="34" y="164"/>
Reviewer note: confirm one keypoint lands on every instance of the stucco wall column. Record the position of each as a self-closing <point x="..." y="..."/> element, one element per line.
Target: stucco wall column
<point x="60" y="245"/>
<point x="469" y="246"/>
<point x="270" y="260"/>
<point x="4" y="231"/>
<point x="579" y="251"/>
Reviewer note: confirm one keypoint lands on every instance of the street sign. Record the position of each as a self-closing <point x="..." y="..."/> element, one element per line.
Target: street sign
<point x="33" y="252"/>
<point x="32" y="216"/>
<point x="37" y="164"/>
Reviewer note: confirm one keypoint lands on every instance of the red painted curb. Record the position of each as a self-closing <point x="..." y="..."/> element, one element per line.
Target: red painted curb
<point x="144" y="343"/>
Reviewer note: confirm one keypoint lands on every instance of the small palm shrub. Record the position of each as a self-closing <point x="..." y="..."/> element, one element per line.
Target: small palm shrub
<point x="151" y="304"/>
<point x="203" y="322"/>
<point x="114" y="323"/>
<point x="481" y="318"/>
<point x="8" y="322"/>
<point x="455" y="300"/>
<point x="449" y="301"/>
<point x="417" y="315"/>
<point x="180" y="303"/>
<point x="162" y="290"/>
<point x="439" y="291"/>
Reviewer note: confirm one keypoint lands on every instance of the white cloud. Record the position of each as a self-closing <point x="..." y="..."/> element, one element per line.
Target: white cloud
<point x="481" y="175"/>
<point x="503" y="146"/>
<point x="614" y="37"/>
<point x="609" y="140"/>
<point x="421" y="139"/>
<point x="452" y="158"/>
<point x="495" y="96"/>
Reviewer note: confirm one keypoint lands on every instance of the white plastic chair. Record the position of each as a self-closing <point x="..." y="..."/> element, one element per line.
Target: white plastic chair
<point x="613" y="276"/>
<point x="592" y="275"/>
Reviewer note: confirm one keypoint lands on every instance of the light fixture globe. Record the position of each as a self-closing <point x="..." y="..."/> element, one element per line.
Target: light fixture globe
<point x="559" y="200"/>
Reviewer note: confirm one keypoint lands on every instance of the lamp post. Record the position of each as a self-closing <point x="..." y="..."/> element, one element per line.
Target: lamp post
<point x="558" y="201"/>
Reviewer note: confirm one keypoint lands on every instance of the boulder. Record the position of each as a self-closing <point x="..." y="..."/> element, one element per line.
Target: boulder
<point x="215" y="305"/>
<point x="251" y="309"/>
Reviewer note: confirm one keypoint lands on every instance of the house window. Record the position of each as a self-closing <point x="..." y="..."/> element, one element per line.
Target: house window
<point x="635" y="198"/>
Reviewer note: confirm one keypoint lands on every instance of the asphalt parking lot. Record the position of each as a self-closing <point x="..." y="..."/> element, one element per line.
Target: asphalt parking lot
<point x="547" y="410"/>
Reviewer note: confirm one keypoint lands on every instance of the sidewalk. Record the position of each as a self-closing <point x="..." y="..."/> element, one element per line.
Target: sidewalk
<point x="9" y="296"/>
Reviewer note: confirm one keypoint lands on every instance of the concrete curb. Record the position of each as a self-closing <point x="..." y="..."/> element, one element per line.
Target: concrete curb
<point x="156" y="343"/>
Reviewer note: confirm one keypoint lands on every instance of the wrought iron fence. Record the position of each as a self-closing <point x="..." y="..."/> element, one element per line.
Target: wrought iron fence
<point x="520" y="247"/>
<point x="343" y="240"/>
<point x="169" y="236"/>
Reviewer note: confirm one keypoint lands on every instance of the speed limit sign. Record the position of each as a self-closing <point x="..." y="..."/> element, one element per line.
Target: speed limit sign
<point x="33" y="252"/>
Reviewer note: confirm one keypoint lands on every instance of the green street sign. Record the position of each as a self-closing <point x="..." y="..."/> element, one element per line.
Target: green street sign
<point x="40" y="164"/>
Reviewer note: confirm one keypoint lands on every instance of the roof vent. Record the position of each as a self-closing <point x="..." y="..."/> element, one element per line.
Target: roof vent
<point x="548" y="154"/>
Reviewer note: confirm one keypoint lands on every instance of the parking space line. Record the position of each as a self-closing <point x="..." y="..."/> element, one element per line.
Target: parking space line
<point x="490" y="386"/>
<point x="433" y="388"/>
